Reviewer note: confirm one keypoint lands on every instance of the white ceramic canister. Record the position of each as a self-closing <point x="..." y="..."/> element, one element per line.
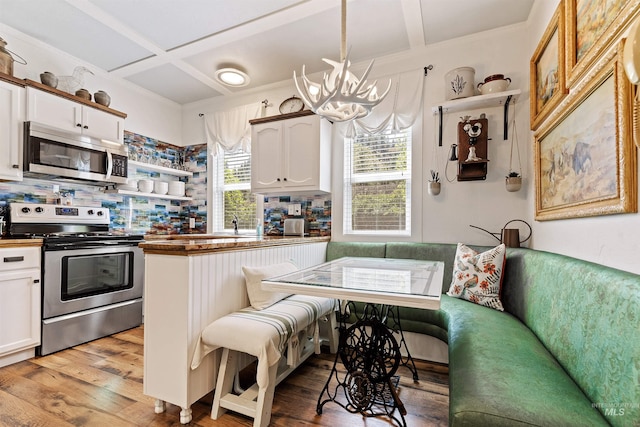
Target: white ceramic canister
<point x="460" y="83"/>
<point x="176" y="188"/>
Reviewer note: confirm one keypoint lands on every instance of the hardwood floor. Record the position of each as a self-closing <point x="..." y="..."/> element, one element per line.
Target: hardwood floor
<point x="100" y="384"/>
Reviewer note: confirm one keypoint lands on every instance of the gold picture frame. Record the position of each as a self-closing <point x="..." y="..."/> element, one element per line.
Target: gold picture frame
<point x="547" y="69"/>
<point x="591" y="26"/>
<point x="585" y="159"/>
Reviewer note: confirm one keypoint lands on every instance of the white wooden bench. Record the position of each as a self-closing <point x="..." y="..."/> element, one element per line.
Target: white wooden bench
<point x="281" y="336"/>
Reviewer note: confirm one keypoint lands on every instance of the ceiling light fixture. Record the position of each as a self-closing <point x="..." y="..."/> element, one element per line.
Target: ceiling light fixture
<point x="341" y="96"/>
<point x="232" y="77"/>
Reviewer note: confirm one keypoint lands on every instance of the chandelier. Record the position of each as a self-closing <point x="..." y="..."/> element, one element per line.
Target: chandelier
<point x="341" y="96"/>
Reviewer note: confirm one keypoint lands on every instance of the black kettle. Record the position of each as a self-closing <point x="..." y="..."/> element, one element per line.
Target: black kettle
<point x="509" y="236"/>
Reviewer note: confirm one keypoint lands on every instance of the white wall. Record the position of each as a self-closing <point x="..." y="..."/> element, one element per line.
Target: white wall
<point x="611" y="240"/>
<point x="445" y="218"/>
<point x="147" y="114"/>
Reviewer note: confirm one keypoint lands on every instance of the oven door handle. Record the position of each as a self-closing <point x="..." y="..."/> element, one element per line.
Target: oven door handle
<point x="109" y="164"/>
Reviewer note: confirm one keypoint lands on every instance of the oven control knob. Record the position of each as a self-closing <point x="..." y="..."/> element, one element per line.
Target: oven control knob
<point x="100" y="213"/>
<point x="26" y="210"/>
<point x="39" y="209"/>
<point x="90" y="212"/>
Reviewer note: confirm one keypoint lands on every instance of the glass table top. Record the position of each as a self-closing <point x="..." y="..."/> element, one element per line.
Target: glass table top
<point x="366" y="279"/>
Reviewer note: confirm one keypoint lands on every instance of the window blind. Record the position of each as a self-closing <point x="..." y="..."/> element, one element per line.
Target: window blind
<point x="377" y="185"/>
<point x="232" y="192"/>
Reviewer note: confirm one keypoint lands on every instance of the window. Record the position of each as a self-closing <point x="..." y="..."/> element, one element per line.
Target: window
<point x="378" y="183"/>
<point x="232" y="193"/>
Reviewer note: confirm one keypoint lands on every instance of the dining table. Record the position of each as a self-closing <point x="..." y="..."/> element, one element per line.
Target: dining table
<point x="370" y="291"/>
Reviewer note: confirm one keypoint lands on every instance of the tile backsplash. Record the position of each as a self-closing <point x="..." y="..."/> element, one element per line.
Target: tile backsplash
<point x="316" y="211"/>
<point x="136" y="214"/>
<point x="132" y="214"/>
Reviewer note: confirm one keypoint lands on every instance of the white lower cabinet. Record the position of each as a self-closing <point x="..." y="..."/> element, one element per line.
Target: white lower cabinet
<point x="19" y="303"/>
<point x="12" y="112"/>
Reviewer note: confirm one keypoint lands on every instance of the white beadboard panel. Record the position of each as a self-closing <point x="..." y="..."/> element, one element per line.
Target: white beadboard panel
<point x="182" y="296"/>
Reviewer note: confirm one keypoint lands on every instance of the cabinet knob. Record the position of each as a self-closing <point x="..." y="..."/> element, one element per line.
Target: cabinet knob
<point x="278" y="179"/>
<point x="86" y="127"/>
<point x="79" y="125"/>
<point x="15" y="166"/>
<point x="284" y="179"/>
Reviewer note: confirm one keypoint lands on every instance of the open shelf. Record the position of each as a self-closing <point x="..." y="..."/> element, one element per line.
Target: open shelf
<point x="497" y="99"/>
<point x="158" y="168"/>
<point x="153" y="195"/>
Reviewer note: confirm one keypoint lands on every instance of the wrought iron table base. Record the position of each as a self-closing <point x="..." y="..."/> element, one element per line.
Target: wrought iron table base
<point x="371" y="355"/>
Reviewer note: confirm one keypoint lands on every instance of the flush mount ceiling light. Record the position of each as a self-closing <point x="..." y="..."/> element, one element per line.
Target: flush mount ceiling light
<point x="232" y="77"/>
<point x="341" y="96"/>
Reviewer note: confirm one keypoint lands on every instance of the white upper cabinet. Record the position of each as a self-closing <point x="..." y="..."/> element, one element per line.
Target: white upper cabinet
<point x="291" y="155"/>
<point x="65" y="114"/>
<point x="12" y="112"/>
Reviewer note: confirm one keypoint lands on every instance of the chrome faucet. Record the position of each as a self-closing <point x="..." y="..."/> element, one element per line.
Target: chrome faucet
<point x="235" y="224"/>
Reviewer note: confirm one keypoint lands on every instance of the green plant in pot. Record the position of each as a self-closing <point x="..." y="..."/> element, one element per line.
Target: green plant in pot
<point x="513" y="181"/>
<point x="433" y="186"/>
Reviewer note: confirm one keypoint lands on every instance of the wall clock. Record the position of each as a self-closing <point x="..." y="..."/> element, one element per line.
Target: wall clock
<point x="291" y="105"/>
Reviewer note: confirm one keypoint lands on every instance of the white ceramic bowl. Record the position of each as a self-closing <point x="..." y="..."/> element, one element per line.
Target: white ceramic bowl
<point x="160" y="187"/>
<point x="176" y="188"/>
<point x="493" y="86"/>
<point x="145" y="185"/>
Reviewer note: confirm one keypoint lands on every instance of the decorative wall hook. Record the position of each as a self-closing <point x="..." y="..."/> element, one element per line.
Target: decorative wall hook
<point x="427" y="69"/>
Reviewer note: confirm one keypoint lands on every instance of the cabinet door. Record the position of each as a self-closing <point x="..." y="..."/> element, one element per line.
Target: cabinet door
<point x="19" y="310"/>
<point x="301" y="142"/>
<point x="52" y="110"/>
<point x="12" y="99"/>
<point x="102" y="125"/>
<point x="266" y="156"/>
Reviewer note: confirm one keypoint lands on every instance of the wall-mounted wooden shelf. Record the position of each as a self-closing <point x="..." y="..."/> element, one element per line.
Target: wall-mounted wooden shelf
<point x="498" y="99"/>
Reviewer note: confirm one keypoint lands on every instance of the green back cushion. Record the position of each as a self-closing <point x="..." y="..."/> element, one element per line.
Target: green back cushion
<point x="337" y="250"/>
<point x="588" y="316"/>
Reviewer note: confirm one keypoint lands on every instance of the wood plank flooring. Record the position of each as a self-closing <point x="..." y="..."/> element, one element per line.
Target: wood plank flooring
<point x="100" y="384"/>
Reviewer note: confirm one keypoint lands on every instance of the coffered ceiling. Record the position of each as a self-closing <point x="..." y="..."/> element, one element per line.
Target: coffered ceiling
<point x="173" y="47"/>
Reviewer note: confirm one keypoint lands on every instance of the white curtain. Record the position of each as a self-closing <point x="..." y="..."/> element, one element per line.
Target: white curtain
<point x="399" y="109"/>
<point x="230" y="130"/>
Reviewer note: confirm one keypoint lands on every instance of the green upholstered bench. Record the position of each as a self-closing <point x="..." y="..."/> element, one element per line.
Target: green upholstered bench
<point x="565" y="352"/>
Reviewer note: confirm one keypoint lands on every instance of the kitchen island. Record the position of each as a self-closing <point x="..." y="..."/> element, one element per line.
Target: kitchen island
<point x="190" y="281"/>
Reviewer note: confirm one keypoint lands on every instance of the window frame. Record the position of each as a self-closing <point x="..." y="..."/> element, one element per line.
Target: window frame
<point x="349" y="178"/>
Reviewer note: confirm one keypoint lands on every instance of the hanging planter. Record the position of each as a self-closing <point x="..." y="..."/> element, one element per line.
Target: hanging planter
<point x="513" y="181"/>
<point x="433" y="186"/>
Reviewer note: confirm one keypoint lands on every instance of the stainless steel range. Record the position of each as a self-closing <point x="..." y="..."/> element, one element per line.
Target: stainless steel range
<point x="92" y="280"/>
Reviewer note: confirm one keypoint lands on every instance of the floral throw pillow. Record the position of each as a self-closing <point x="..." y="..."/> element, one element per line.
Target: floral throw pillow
<point x="477" y="277"/>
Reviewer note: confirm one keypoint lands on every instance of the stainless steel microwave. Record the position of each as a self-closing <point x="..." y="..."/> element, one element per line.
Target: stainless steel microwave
<point x="54" y="153"/>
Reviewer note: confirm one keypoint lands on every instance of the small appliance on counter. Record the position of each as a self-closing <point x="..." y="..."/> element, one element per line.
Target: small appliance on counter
<point x="294" y="227"/>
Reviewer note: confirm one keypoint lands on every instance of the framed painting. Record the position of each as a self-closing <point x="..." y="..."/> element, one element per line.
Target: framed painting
<point x="591" y="27"/>
<point x="547" y="74"/>
<point x="585" y="159"/>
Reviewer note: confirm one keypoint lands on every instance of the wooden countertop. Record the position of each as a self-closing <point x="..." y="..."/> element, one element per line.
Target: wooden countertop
<point x="18" y="243"/>
<point x="190" y="244"/>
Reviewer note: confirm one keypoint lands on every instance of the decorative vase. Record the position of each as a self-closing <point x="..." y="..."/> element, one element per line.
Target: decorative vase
<point x="84" y="94"/>
<point x="102" y="98"/>
<point x="433" y="188"/>
<point x="459" y="83"/>
<point x="513" y="183"/>
<point x="49" y="79"/>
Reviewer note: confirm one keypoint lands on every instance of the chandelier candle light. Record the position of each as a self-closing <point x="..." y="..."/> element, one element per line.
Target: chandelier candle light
<point x="341" y="96"/>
